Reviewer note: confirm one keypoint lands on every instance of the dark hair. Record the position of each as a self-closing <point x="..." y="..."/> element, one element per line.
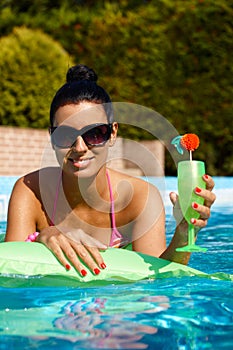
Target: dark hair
<point x="81" y="85"/>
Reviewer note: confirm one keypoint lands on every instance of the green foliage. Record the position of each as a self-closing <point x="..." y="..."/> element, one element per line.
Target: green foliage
<point x="200" y="85"/>
<point x="33" y="67"/>
<point x="170" y="55"/>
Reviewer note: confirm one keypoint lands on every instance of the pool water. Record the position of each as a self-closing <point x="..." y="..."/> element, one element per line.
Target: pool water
<point x="173" y="313"/>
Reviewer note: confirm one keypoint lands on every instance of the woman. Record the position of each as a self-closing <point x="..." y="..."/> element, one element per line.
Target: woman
<point x="82" y="206"/>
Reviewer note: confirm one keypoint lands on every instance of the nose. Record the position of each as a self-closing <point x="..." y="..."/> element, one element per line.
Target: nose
<point x="80" y="146"/>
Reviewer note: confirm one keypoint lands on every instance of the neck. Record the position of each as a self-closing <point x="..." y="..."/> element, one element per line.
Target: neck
<point x="91" y="191"/>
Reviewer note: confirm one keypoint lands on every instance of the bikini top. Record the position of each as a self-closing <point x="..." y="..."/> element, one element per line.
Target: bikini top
<point x="116" y="240"/>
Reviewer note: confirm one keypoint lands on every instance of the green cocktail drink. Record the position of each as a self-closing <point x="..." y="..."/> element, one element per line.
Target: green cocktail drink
<point x="190" y="174"/>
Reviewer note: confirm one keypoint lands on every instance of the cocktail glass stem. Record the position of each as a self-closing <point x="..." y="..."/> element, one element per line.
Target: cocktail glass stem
<point x="191" y="246"/>
<point x="191" y="234"/>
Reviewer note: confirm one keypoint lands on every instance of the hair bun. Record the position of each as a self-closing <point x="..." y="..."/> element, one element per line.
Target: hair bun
<point x="81" y="72"/>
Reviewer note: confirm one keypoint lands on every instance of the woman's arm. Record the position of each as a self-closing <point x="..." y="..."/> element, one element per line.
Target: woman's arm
<point x="22" y="212"/>
<point x="149" y="225"/>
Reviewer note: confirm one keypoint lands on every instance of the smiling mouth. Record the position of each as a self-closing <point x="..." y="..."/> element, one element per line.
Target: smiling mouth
<point x="80" y="163"/>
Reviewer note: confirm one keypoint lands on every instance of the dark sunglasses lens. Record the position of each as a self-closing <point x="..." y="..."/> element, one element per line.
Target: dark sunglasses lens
<point x="64" y="137"/>
<point x="98" y="135"/>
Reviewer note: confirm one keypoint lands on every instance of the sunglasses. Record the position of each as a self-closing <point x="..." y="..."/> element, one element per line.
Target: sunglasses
<point x="93" y="135"/>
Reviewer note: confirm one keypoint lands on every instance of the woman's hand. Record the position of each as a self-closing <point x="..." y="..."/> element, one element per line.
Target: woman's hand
<point x="74" y="247"/>
<point x="209" y="198"/>
<point x="203" y="210"/>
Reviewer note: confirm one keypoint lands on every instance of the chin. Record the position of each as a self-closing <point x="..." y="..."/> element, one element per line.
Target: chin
<point x="82" y="173"/>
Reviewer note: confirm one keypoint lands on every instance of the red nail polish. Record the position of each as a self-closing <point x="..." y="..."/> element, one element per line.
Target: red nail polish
<point x="206" y="177"/>
<point x="193" y="221"/>
<point x="83" y="273"/>
<point x="103" y="266"/>
<point x="96" y="271"/>
<point x="197" y="189"/>
<point x="68" y="267"/>
<point x="195" y="205"/>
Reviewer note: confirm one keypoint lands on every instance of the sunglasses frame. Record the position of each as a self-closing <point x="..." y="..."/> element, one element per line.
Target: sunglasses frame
<point x="81" y="132"/>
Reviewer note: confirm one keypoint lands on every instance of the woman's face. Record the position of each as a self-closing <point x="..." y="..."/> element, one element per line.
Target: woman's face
<point x="81" y="159"/>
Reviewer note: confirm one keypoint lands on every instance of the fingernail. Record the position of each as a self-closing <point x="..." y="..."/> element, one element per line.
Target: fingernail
<point x="206" y="177"/>
<point x="193" y="221"/>
<point x="83" y="273"/>
<point x="195" y="205"/>
<point x="96" y="271"/>
<point x="68" y="267"/>
<point x="103" y="266"/>
<point x="197" y="189"/>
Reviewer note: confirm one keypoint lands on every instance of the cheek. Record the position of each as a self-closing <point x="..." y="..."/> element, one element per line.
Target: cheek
<point x="101" y="154"/>
<point x="100" y="161"/>
<point x="60" y="155"/>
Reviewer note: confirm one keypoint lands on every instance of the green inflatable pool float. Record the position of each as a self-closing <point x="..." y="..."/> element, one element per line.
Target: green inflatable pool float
<point x="27" y="264"/>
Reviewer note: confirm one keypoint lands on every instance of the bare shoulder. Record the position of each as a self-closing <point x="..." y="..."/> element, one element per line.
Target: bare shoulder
<point x="138" y="183"/>
<point x="135" y="191"/>
<point x="30" y="183"/>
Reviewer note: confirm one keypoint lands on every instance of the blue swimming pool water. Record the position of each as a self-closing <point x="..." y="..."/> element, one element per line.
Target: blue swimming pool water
<point x="173" y="313"/>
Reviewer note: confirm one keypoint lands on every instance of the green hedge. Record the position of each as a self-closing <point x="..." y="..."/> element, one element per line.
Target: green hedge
<point x="32" y="68"/>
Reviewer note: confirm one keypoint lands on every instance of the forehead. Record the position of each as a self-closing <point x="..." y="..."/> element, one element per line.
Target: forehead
<point x="80" y="115"/>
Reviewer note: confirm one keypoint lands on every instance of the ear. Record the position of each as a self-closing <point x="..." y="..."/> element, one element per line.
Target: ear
<point x="113" y="136"/>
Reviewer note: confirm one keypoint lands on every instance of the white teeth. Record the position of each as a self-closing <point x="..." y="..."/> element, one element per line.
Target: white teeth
<point x="80" y="161"/>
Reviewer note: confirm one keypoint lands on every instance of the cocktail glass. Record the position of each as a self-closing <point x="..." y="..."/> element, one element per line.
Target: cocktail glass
<point x="190" y="174"/>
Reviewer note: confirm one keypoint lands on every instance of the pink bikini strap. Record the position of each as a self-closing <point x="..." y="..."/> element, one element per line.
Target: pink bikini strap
<point x="111" y="200"/>
<point x="115" y="234"/>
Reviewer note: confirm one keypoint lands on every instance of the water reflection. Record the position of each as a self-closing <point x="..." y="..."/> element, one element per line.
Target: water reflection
<point x="111" y="323"/>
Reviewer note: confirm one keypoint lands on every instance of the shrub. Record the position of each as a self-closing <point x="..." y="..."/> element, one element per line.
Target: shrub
<point x="33" y="67"/>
